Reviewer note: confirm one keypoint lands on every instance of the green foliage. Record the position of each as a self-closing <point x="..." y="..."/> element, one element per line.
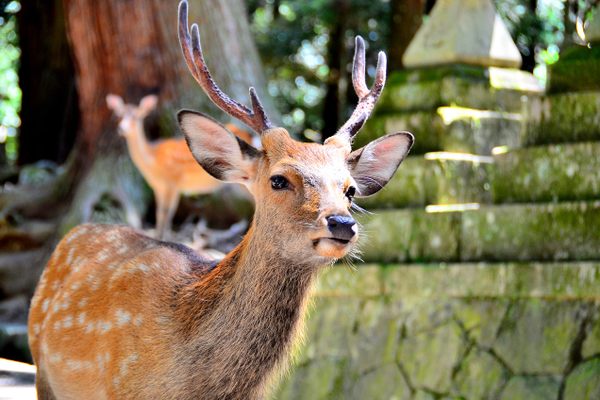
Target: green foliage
<point x="292" y="37"/>
<point x="10" y="94"/>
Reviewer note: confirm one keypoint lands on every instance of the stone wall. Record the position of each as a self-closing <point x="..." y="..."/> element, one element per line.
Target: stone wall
<point x="472" y="331"/>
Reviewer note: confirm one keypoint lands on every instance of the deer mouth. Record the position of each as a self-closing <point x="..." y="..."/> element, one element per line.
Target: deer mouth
<point x="341" y="242"/>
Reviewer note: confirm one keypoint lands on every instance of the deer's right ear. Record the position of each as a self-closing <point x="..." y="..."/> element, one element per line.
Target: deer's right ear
<point x="115" y="102"/>
<point x="218" y="151"/>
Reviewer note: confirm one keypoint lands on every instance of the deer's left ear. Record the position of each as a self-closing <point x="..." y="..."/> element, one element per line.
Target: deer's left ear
<point x="373" y="165"/>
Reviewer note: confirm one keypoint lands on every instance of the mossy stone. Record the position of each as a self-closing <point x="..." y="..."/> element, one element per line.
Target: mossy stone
<point x="383" y="383"/>
<point x="583" y="382"/>
<point x="547" y="173"/>
<point x="531" y="388"/>
<point x="563" y="231"/>
<point x="409" y="235"/>
<point x="480" y="376"/>
<point x="430" y="357"/>
<point x="564" y="117"/>
<point x="530" y="344"/>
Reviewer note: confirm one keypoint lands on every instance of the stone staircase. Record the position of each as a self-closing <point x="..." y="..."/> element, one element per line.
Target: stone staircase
<point x="481" y="279"/>
<point x="481" y="263"/>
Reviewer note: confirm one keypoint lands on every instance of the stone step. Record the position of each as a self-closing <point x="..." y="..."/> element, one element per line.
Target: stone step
<point x="500" y="330"/>
<point x="549" y="231"/>
<point x="435" y="178"/>
<point x="453" y="129"/>
<point x="561" y="172"/>
<point x="563" y="118"/>
<point x="426" y="89"/>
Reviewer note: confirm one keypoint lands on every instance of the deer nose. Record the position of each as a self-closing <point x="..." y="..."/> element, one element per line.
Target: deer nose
<point x="341" y="226"/>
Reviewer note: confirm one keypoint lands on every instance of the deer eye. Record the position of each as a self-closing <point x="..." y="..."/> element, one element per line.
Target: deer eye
<point x="278" y="182"/>
<point x="350" y="192"/>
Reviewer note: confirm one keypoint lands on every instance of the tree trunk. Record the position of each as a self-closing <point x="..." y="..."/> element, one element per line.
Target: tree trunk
<point x="335" y="55"/>
<point x="407" y="16"/>
<point x="49" y="104"/>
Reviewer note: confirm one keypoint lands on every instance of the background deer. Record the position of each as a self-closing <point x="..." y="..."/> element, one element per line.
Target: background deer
<point x="120" y="315"/>
<point x="167" y="165"/>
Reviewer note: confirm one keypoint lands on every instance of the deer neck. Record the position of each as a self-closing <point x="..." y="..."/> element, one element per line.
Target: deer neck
<point x="257" y="302"/>
<point x="139" y="148"/>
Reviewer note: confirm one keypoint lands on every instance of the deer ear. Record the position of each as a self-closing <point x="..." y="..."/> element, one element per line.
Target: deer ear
<point x="373" y="165"/>
<point x="218" y="151"/>
<point x="148" y="103"/>
<point x="115" y="102"/>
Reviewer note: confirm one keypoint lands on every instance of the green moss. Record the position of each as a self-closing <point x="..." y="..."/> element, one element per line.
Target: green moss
<point x="531" y="388"/>
<point x="480" y="376"/>
<point x="564" y="231"/>
<point x="567" y="117"/>
<point x="529" y="343"/>
<point x="547" y="173"/>
<point x="583" y="382"/>
<point x="409" y="235"/>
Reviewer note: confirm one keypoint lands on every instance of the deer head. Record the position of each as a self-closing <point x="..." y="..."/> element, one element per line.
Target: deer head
<point x="130" y="114"/>
<point x="303" y="191"/>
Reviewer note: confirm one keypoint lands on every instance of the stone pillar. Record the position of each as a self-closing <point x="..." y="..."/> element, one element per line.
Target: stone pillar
<point x="462" y="91"/>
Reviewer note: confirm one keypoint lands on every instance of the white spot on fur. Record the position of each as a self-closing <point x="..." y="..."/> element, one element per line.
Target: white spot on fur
<point x="104" y="326"/>
<point x="56" y="307"/>
<point x="55" y="358"/>
<point x="81" y="318"/>
<point x="123" y="317"/>
<point x="45" y="305"/>
<point x="36" y="329"/>
<point x="89" y="327"/>
<point x="73" y="365"/>
<point x="138" y="320"/>
<point x="68" y="321"/>
<point x="56" y="325"/>
<point x="70" y="255"/>
<point x="82" y="303"/>
<point x="76" y="286"/>
<point x="55" y="286"/>
<point x="124" y="367"/>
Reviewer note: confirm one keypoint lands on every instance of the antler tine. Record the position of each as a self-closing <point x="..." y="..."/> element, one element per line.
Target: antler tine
<point x="367" y="98"/>
<point x="192" y="53"/>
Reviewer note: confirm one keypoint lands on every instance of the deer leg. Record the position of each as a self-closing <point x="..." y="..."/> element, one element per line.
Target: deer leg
<point x="43" y="388"/>
<point x="166" y="205"/>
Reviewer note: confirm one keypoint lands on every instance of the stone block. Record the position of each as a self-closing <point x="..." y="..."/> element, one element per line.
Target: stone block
<point x="583" y="382"/>
<point x="430" y="357"/>
<point x="565" y="117"/>
<point x="427" y="127"/>
<point x="531" y="388"/>
<point x="563" y="231"/>
<point x="591" y="345"/>
<point x="385" y="382"/>
<point x="480" y="376"/>
<point x="547" y="173"/>
<point x="530" y="344"/>
<point x="426" y="89"/>
<point x="409" y="236"/>
<point x="437" y="178"/>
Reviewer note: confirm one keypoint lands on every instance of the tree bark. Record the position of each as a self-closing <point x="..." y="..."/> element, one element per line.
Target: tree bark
<point x="49" y="103"/>
<point x="335" y="55"/>
<point x="407" y="16"/>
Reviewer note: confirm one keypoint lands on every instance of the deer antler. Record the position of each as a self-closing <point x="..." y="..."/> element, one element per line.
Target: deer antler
<point x="192" y="52"/>
<point x="366" y="98"/>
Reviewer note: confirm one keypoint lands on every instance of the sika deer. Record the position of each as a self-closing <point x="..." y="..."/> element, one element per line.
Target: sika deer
<point x="167" y="165"/>
<point x="119" y="315"/>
